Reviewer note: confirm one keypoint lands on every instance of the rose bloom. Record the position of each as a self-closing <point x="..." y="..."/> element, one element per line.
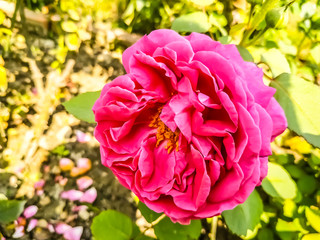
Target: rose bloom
<point x="188" y="128"/>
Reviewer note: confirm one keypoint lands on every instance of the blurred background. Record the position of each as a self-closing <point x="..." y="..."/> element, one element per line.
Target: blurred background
<point x="52" y="50"/>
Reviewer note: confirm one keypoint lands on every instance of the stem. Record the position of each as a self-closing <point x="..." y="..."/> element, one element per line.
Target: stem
<point x="300" y="45"/>
<point x="257" y="19"/>
<point x="14" y="17"/>
<point x="250" y="15"/>
<point x="227" y="12"/>
<point x="214" y="228"/>
<point x="155" y="222"/>
<point x="250" y="42"/>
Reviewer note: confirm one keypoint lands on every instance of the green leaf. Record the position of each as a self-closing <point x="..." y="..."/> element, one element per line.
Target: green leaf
<point x="10" y="210"/>
<point x="311" y="236"/>
<point x="203" y="3"/>
<point x="111" y="225"/>
<point x="143" y="237"/>
<point x="147" y="213"/>
<point x="265" y="234"/>
<point x="260" y="15"/>
<point x="2" y="17"/>
<point x="74" y="15"/>
<point x="225" y="39"/>
<point x="81" y="106"/>
<point x="193" y="22"/>
<point x="278" y="182"/>
<point x="69" y="26"/>
<point x="245" y="216"/>
<point x="72" y="41"/>
<point x="294" y="226"/>
<point x="313" y="217"/>
<point x="295" y="171"/>
<point x="307" y="184"/>
<point x="3" y="79"/>
<point x="166" y="229"/>
<point x="315" y="53"/>
<point x="276" y="61"/>
<point x="245" y="54"/>
<point x="299" y="99"/>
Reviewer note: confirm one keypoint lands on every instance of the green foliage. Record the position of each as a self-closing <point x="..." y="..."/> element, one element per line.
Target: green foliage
<point x="114" y="225"/>
<point x="313" y="217"/>
<point x="245" y="54"/>
<point x="81" y="106"/>
<point x="278" y="182"/>
<point x="276" y="61"/>
<point x="147" y="213"/>
<point x="3" y="79"/>
<point x="202" y="3"/>
<point x="111" y="225"/>
<point x="166" y="229"/>
<point x="193" y="22"/>
<point x="299" y="99"/>
<point x="244" y="216"/>
<point x="311" y="236"/>
<point x="10" y="210"/>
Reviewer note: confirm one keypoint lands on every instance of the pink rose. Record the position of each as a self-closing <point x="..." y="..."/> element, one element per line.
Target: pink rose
<point x="188" y="129"/>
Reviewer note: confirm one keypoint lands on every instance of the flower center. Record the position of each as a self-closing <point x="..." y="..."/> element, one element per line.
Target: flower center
<point x="165" y="133"/>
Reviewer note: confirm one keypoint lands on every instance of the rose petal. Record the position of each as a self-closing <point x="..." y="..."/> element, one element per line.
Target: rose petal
<point x="84" y="182"/>
<point x="89" y="196"/>
<point x="30" y="211"/>
<point x="66" y="164"/>
<point x="32" y="224"/>
<point x="72" y="195"/>
<point x="19" y="232"/>
<point x="73" y="233"/>
<point x="61" y="228"/>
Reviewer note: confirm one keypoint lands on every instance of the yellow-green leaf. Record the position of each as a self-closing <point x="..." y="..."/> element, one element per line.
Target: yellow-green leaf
<point x="300" y="100"/>
<point x="193" y="22"/>
<point x="278" y="182"/>
<point x="72" y="42"/>
<point x="203" y="3"/>
<point x="276" y="61"/>
<point x="311" y="236"/>
<point x="3" y="79"/>
<point x="313" y="216"/>
<point x="69" y="26"/>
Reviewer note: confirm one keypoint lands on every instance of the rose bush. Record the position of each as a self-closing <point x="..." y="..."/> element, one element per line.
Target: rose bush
<point x="188" y="128"/>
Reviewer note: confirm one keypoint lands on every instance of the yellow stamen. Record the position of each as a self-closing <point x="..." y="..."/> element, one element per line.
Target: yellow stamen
<point x="165" y="133"/>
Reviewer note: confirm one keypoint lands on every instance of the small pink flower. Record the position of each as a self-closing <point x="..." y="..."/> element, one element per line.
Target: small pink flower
<point x="20" y="221"/>
<point x="32" y="224"/>
<point x="84" y="163"/>
<point x="19" y="232"/>
<point x="30" y="211"/>
<point x="40" y="192"/>
<point x="66" y="164"/>
<point x="61" y="228"/>
<point x="89" y="196"/>
<point x="72" y="195"/>
<point x="84" y="182"/>
<point x="73" y="233"/>
<point x="79" y="208"/>
<point x="51" y="228"/>
<point x="63" y="181"/>
<point x="82" y="137"/>
<point x="39" y="185"/>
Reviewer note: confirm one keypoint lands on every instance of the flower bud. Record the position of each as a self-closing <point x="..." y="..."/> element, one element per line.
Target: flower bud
<point x="276" y="18"/>
<point x="273" y="17"/>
